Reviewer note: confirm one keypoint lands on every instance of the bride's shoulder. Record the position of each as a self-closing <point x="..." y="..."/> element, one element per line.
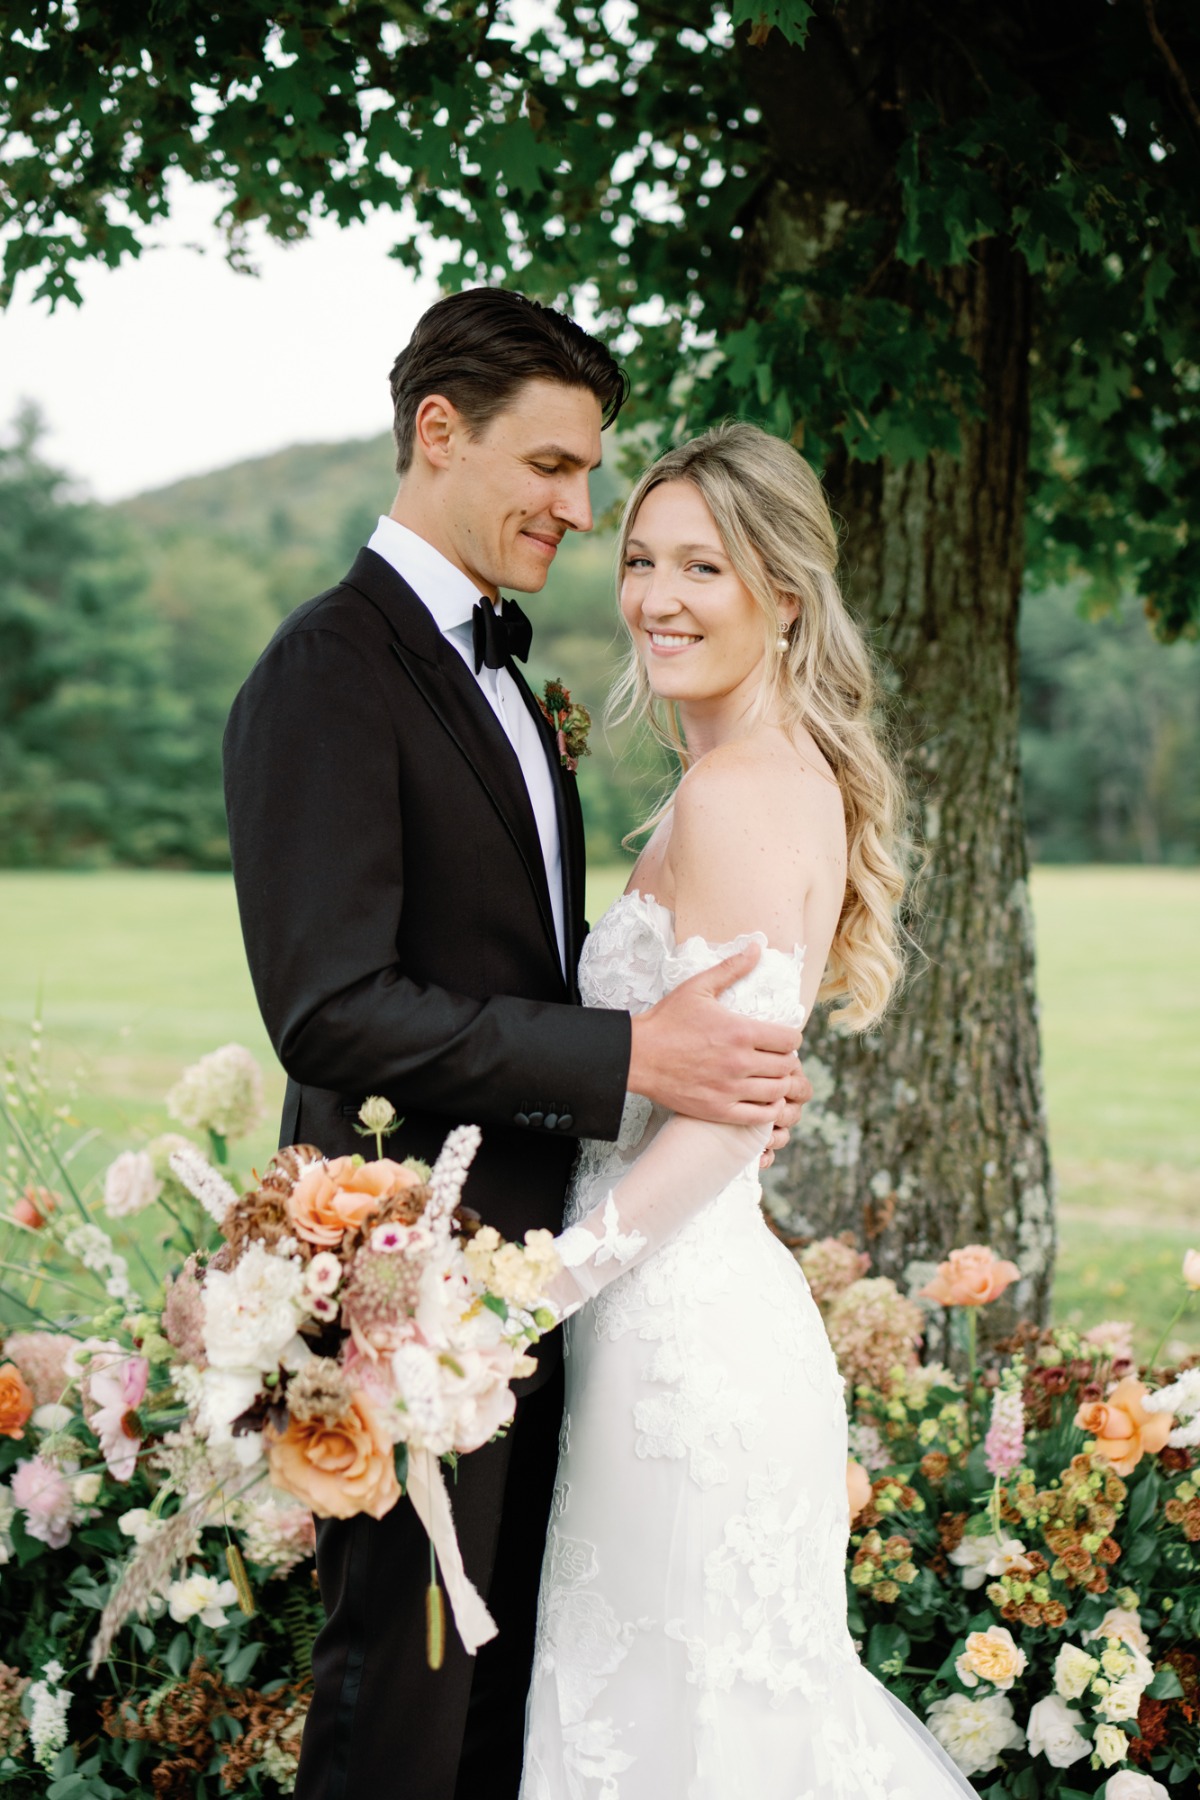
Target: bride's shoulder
<point x="762" y="783"/>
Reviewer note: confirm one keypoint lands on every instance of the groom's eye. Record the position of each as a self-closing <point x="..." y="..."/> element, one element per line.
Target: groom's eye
<point x="546" y="469"/>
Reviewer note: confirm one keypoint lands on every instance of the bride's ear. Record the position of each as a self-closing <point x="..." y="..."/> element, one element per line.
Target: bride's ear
<point x="788" y="607"/>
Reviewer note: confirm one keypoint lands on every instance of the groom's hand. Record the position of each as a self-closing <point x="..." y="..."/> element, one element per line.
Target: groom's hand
<point x="692" y="1055"/>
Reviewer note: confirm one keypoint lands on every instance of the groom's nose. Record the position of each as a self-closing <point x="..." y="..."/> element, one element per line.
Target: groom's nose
<point x="573" y="502"/>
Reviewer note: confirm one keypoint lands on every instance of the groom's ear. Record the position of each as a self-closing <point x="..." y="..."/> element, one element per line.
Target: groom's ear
<point x="437" y="424"/>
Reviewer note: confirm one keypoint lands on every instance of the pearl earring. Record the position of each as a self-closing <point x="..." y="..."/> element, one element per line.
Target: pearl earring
<point x="783" y="643"/>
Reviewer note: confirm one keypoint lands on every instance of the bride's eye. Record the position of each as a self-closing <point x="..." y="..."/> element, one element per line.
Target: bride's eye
<point x="703" y="569"/>
<point x="637" y="562"/>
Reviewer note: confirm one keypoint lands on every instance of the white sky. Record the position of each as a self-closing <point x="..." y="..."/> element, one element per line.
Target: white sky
<point x="174" y="364"/>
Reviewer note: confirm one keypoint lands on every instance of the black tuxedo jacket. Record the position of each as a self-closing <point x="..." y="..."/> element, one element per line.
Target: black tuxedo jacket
<point x="394" y="903"/>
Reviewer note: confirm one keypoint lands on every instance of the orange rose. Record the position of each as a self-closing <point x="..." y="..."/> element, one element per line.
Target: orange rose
<point x="16" y="1401"/>
<point x="340" y="1469"/>
<point x="1124" y="1431"/>
<point x="972" y="1276"/>
<point x="34" y="1206"/>
<point x="332" y="1198"/>
<point x="858" y="1487"/>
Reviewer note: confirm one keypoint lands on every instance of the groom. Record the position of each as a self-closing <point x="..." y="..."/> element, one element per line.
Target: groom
<point x="409" y="861"/>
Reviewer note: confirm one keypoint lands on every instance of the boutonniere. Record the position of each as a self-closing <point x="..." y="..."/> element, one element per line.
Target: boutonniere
<point x="569" y="722"/>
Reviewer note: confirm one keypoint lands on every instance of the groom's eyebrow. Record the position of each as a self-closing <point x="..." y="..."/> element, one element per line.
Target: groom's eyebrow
<point x="558" y="454"/>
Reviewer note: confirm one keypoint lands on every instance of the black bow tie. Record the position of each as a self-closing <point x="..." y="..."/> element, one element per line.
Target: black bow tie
<point x="497" y="636"/>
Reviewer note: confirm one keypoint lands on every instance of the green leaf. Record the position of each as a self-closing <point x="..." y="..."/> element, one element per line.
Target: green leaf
<point x="239" y="1666"/>
<point x="179" y="1652"/>
<point x="1166" y="1685"/>
<point x="789" y="17"/>
<point x="1143" y="1503"/>
<point x="887" y="1649"/>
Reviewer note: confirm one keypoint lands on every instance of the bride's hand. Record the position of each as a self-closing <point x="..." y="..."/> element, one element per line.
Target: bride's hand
<point x="800" y="1092"/>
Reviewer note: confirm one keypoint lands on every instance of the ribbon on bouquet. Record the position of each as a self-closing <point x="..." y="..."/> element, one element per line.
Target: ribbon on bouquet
<point x="431" y="1503"/>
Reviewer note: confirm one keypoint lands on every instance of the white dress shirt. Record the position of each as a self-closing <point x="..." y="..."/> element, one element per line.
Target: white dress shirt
<point x="451" y="597"/>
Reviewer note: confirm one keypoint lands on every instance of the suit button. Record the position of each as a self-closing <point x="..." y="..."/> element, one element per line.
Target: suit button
<point x="520" y="1118"/>
<point x="535" y="1118"/>
<point x="565" y="1121"/>
<point x="550" y="1121"/>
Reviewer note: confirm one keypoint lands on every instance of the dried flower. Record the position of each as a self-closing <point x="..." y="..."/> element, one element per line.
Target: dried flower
<point x="319" y="1393"/>
<point x="830" y="1266"/>
<point x="13" y="1729"/>
<point x="183" y="1313"/>
<point x="144" y="1577"/>
<point x="41" y="1357"/>
<point x="197" y="1175"/>
<point x="873" y="1329"/>
<point x="451" y="1169"/>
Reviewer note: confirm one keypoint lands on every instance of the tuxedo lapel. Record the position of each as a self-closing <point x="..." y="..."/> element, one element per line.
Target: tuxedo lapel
<point x="454" y="697"/>
<point x="570" y="835"/>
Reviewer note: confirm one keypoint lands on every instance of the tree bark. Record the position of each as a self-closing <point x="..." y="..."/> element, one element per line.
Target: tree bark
<point x="930" y="1132"/>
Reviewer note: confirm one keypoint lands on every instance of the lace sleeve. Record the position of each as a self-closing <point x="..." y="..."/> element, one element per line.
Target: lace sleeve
<point x="690" y="1161"/>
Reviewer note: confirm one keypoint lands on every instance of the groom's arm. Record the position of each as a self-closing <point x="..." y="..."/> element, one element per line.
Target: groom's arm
<point x="311" y="775"/>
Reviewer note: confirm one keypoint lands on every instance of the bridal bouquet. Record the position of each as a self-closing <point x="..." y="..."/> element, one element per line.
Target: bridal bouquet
<point x="357" y="1325"/>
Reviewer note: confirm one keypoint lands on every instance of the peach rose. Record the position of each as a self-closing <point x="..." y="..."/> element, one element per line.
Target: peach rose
<point x="337" y="1470"/>
<point x="1124" y="1431"/>
<point x="34" y="1206"/>
<point x="858" y="1487"/>
<point x="972" y="1276"/>
<point x="332" y="1198"/>
<point x="16" y="1401"/>
<point x="1191" y="1268"/>
<point x="991" y="1655"/>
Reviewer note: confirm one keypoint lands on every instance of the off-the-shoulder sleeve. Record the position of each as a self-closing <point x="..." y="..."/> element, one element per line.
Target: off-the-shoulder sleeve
<point x="690" y="1161"/>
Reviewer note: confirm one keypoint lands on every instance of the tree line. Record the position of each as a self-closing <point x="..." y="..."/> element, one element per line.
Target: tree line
<point x="126" y="630"/>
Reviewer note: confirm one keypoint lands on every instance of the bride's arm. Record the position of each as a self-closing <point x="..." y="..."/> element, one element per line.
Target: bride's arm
<point x="735" y="870"/>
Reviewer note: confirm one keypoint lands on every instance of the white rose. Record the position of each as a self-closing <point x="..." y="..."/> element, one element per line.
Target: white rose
<point x="983" y="1558"/>
<point x="1121" y="1622"/>
<point x="974" y="1732"/>
<point x="1122" y="1700"/>
<point x="1073" y="1670"/>
<point x="130" y="1184"/>
<point x="224" y="1396"/>
<point x="1054" y="1732"/>
<point x="1111" y="1745"/>
<point x="1127" y="1784"/>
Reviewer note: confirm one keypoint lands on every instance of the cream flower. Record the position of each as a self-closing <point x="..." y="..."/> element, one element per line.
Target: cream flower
<point x="1121" y="1701"/>
<point x="984" y="1558"/>
<point x="991" y="1655"/>
<point x="130" y="1184"/>
<point x="1124" y="1623"/>
<point x="222" y="1093"/>
<point x="252" y="1311"/>
<point x="1128" y="1784"/>
<point x="1191" y="1268"/>
<point x="1111" y="1745"/>
<point x="200" y="1596"/>
<point x="974" y="1733"/>
<point x="1073" y="1671"/>
<point x="1054" y="1732"/>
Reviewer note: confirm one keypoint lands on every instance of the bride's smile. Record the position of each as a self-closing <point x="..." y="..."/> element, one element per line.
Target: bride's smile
<point x="702" y="635"/>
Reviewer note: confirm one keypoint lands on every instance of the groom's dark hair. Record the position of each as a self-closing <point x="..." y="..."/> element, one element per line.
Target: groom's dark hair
<point x="477" y="348"/>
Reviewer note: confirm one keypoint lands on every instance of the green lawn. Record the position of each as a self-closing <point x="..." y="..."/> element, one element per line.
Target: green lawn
<point x="138" y="974"/>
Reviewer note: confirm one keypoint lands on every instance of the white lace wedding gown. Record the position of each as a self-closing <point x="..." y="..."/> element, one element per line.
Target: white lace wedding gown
<point x="692" y="1640"/>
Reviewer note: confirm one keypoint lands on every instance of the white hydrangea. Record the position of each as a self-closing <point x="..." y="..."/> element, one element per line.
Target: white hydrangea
<point x="49" y="1705"/>
<point x="974" y="1733"/>
<point x="130" y="1184"/>
<point x="200" y="1596"/>
<point x="222" y="1093"/>
<point x="252" y="1311"/>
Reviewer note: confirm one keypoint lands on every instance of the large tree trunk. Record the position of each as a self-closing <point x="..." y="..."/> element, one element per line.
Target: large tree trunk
<point x="930" y="1132"/>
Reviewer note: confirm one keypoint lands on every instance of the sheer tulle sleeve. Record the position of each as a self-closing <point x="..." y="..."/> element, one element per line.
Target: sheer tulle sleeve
<point x="690" y="1161"/>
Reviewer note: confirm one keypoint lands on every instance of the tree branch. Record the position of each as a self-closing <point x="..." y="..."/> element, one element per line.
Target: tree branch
<point x="1168" y="55"/>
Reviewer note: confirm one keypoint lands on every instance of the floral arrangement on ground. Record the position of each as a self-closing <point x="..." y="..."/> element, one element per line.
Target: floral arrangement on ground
<point x="190" y="1365"/>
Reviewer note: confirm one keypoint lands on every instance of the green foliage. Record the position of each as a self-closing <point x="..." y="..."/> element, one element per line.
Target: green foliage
<point x="775" y="212"/>
<point x="1110" y="736"/>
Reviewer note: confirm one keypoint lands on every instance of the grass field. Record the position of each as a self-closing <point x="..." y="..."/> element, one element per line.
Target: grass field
<point x="135" y="975"/>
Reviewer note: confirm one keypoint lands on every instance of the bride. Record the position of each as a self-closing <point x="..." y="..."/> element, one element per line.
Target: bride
<point x="692" y="1640"/>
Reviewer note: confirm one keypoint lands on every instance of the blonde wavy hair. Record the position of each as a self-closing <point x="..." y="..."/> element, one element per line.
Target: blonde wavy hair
<point x="778" y="533"/>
